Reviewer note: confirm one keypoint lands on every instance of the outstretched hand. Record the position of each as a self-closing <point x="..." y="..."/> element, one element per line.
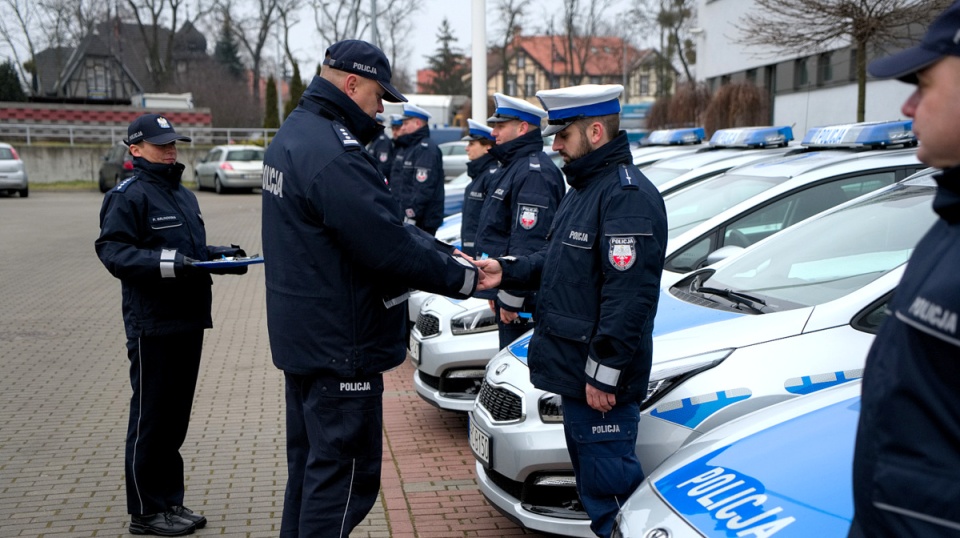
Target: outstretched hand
<point x="490" y="274"/>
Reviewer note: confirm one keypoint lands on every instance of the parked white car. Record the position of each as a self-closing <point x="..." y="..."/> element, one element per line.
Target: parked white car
<point x="13" y="173"/>
<point x="783" y="471"/>
<point x="229" y="167"/>
<point x="802" y="309"/>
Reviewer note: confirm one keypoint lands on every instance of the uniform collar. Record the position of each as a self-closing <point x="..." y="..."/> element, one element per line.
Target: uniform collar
<point x="580" y="171"/>
<point x="333" y="104"/>
<point x="526" y="144"/>
<point x="167" y="175"/>
<point x="476" y="167"/>
<point x="947" y="201"/>
<point x="415" y="137"/>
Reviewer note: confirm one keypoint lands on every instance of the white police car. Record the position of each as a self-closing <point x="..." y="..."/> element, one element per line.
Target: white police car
<point x="821" y="288"/>
<point x="747" y="206"/>
<point x="666" y="143"/>
<point x="784" y="471"/>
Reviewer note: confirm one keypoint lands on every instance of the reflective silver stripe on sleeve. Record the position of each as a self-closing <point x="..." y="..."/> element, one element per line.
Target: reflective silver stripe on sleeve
<point x="603" y="374"/>
<point x="166" y="263"/>
<point x="467" y="244"/>
<point x="390" y="303"/>
<point x="469" y="277"/>
<point x="510" y="300"/>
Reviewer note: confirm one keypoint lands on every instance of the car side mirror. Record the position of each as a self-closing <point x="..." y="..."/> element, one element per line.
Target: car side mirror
<point x="722" y="253"/>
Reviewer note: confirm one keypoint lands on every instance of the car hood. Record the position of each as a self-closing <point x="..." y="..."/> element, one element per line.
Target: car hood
<point x="731" y="333"/>
<point x="674" y="314"/>
<point x="791" y="479"/>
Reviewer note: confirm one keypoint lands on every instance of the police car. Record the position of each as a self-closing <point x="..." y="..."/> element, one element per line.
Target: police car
<point x="784" y="471"/>
<point x="735" y="208"/>
<point x="821" y="287"/>
<point x="665" y="143"/>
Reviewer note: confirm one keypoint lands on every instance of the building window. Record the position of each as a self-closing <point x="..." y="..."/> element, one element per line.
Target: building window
<point x="644" y="84"/>
<point x="801" y="75"/>
<point x="511" y="88"/>
<point x="825" y="68"/>
<point x="554" y="82"/>
<point x="530" y="85"/>
<point x="752" y="76"/>
<point x="96" y="80"/>
<point x="521" y="60"/>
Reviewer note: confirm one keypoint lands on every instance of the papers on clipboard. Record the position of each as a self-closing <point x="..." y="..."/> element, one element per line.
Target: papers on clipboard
<point x="230" y="262"/>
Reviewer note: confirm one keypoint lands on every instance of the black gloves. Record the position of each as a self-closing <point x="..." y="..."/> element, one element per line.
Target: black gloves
<point x="233" y="251"/>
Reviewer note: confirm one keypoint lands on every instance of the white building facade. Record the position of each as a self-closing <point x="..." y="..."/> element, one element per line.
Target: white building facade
<point x="806" y="90"/>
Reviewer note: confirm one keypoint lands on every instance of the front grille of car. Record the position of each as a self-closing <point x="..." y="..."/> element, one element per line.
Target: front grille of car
<point x="428" y="325"/>
<point x="500" y="403"/>
<point x="431" y="381"/>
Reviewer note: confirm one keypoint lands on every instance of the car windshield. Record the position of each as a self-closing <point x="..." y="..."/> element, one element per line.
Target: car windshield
<point x="834" y="255"/>
<point x="659" y="175"/>
<point x="695" y="204"/>
<point x="245" y="155"/>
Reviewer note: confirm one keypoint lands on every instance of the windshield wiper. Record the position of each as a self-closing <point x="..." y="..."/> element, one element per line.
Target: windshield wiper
<point x="736" y="297"/>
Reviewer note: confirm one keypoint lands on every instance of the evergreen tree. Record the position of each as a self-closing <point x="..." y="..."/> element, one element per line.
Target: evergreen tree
<point x="227" y="52"/>
<point x="10" y="87"/>
<point x="271" y="118"/>
<point x="297" y="88"/>
<point x="449" y="64"/>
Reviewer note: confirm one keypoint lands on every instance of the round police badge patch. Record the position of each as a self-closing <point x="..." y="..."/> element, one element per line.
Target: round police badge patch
<point x="383" y="156"/>
<point x="528" y="217"/>
<point x="623" y="252"/>
<point x="422" y="174"/>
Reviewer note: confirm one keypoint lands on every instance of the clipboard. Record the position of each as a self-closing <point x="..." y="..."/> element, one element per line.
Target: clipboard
<point x="230" y="262"/>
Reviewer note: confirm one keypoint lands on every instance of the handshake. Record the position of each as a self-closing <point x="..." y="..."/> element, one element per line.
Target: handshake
<point x="489" y="272"/>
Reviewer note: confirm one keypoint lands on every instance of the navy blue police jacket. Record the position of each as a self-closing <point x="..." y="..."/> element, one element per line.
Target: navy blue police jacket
<point x="483" y="174"/>
<point x="338" y="258"/>
<point x="520" y="208"/>
<point x="382" y="150"/>
<point x="907" y="456"/>
<point x="148" y="224"/>
<point x="599" y="279"/>
<point x="416" y="179"/>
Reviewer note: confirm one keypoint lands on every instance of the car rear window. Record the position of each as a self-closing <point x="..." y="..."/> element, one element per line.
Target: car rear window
<point x="245" y="155"/>
<point x="6" y="154"/>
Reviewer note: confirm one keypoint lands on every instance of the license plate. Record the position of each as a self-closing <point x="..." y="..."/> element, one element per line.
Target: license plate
<point x="414" y="350"/>
<point x="480" y="444"/>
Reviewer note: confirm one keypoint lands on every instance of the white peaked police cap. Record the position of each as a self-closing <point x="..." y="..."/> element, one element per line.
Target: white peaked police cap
<point x="566" y="105"/>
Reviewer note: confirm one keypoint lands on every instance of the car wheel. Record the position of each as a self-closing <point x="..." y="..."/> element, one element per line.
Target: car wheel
<point x="103" y="185"/>
<point x="218" y="186"/>
<point x="24" y="192"/>
<point x="196" y="177"/>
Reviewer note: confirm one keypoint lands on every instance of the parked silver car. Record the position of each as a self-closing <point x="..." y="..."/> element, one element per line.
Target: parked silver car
<point x="230" y="167"/>
<point x="454" y="158"/>
<point x="13" y="174"/>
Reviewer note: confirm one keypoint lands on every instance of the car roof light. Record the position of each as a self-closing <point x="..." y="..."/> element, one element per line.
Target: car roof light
<point x="752" y="137"/>
<point x="861" y="135"/>
<point x="675" y="137"/>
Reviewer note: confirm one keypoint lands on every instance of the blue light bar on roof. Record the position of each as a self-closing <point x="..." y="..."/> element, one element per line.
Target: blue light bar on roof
<point x="752" y="137"/>
<point x="675" y="137"/>
<point x="854" y="135"/>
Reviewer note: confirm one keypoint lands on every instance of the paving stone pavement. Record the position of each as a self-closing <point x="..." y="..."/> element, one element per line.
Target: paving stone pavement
<point x="64" y="391"/>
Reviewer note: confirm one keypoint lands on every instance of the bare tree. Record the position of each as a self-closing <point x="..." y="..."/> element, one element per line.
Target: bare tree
<point x="337" y="20"/>
<point x="672" y="20"/>
<point x="254" y="30"/>
<point x="18" y="30"/>
<point x="581" y="23"/>
<point x="150" y="14"/>
<point x="511" y="13"/>
<point x="394" y="27"/>
<point x="809" y="26"/>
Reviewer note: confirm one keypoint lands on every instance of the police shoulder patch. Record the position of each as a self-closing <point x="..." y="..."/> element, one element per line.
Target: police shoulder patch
<point x="623" y="252"/>
<point x="345" y="136"/>
<point x="534" y="163"/>
<point x="628" y="178"/>
<point x="122" y="186"/>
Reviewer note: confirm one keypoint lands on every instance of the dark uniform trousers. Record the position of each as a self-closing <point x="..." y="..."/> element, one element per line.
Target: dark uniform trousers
<point x="334" y="448"/>
<point x="163" y="373"/>
<point x="602" y="447"/>
<point x="509" y="332"/>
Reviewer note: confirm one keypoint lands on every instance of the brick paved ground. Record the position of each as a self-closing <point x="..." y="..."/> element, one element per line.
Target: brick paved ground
<point x="64" y="391"/>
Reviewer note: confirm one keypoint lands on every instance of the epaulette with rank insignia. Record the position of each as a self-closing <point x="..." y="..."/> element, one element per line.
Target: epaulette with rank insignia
<point x="122" y="186"/>
<point x="534" y="163"/>
<point x="627" y="181"/>
<point x="346" y="138"/>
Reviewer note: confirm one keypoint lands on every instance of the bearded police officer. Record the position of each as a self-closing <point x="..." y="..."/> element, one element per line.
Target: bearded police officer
<point x="416" y="176"/>
<point x="482" y="170"/>
<point x="519" y="209"/>
<point x="339" y="264"/>
<point x="905" y="469"/>
<point x="151" y="234"/>
<point x="599" y="281"/>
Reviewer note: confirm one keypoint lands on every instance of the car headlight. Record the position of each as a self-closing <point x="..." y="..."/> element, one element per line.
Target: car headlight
<point x="479" y="319"/>
<point x="668" y="374"/>
<point x="551" y="408"/>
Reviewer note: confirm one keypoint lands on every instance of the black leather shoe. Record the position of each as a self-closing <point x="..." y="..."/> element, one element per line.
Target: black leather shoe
<point x="191" y="516"/>
<point x="162" y="524"/>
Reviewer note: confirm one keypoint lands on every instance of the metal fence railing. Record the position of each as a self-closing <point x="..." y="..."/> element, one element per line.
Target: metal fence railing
<point x="34" y="133"/>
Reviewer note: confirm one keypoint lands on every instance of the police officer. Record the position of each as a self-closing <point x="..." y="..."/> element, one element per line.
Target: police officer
<point x="151" y="234"/>
<point x="517" y="213"/>
<point x="905" y="478"/>
<point x="482" y="170"/>
<point x="599" y="280"/>
<point x="382" y="149"/>
<point x="339" y="264"/>
<point x="416" y="177"/>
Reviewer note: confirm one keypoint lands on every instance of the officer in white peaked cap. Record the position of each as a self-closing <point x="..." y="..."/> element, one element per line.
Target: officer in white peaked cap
<point x="416" y="174"/>
<point x="482" y="169"/>
<point x="599" y="283"/>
